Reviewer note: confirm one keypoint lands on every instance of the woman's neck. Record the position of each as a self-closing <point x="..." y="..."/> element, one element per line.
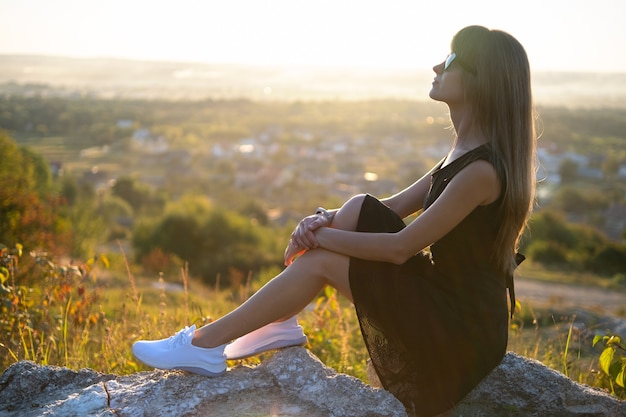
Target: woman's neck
<point x="468" y="136"/>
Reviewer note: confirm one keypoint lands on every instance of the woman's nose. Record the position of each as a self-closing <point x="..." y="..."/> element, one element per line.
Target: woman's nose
<point x="438" y="68"/>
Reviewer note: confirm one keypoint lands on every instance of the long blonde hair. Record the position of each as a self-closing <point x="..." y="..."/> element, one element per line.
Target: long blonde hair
<point x="500" y="97"/>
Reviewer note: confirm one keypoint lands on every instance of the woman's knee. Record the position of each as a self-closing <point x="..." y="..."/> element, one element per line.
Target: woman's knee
<point x="331" y="267"/>
<point x="356" y="201"/>
<point x="348" y="215"/>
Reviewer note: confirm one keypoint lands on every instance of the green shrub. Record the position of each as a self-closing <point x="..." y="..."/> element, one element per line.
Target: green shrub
<point x="547" y="252"/>
<point x="612" y="365"/>
<point x="608" y="260"/>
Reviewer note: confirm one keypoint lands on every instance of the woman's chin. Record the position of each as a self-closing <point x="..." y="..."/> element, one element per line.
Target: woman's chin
<point x="433" y="95"/>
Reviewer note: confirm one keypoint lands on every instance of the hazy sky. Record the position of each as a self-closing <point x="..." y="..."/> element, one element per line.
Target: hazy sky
<point x="573" y="35"/>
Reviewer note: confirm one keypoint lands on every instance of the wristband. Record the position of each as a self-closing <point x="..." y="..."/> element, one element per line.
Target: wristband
<point x="325" y="213"/>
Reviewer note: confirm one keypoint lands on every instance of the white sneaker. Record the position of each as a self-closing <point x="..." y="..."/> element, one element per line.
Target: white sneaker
<point x="275" y="335"/>
<point x="177" y="352"/>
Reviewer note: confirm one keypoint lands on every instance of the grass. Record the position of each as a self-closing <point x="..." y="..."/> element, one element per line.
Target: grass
<point x="578" y="277"/>
<point x="53" y="148"/>
<point x="564" y="345"/>
<point x="91" y="319"/>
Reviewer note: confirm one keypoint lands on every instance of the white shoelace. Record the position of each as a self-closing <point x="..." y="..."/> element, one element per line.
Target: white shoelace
<point x="183" y="337"/>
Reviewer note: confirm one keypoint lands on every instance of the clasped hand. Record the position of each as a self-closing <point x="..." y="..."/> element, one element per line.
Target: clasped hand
<point x="303" y="237"/>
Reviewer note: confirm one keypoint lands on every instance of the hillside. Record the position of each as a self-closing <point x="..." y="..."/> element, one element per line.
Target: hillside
<point x="187" y="80"/>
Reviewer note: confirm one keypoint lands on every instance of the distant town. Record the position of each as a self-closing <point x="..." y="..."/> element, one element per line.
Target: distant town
<point x="255" y="165"/>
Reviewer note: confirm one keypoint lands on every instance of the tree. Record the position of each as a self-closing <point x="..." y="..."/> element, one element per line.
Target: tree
<point x="32" y="214"/>
<point x="574" y="200"/>
<point x="610" y="167"/>
<point x="138" y="195"/>
<point x="69" y="189"/>
<point x="610" y="259"/>
<point x="568" y="170"/>
<point x="547" y="253"/>
<point x="551" y="239"/>
<point x="550" y="226"/>
<point x="39" y="170"/>
<point x="27" y="209"/>
<point x="213" y="240"/>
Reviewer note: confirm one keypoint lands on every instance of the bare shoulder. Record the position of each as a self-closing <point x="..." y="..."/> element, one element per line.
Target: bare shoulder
<point x="481" y="169"/>
<point x="480" y="177"/>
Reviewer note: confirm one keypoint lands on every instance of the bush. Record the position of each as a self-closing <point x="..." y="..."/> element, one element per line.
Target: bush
<point x="547" y="252"/>
<point x="609" y="260"/>
<point x="214" y="241"/>
<point x="553" y="241"/>
<point x="46" y="322"/>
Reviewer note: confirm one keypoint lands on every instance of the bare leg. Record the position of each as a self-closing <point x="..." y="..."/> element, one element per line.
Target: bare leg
<point x="290" y="291"/>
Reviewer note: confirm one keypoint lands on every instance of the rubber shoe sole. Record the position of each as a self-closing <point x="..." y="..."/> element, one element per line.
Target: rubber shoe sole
<point x="270" y="345"/>
<point x="270" y="337"/>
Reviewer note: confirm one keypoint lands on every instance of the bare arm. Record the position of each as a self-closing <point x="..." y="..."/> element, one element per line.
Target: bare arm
<point x="475" y="185"/>
<point x="411" y="199"/>
<point x="404" y="203"/>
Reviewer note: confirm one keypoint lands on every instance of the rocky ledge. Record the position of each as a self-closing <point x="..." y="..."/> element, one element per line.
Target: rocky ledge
<point x="292" y="383"/>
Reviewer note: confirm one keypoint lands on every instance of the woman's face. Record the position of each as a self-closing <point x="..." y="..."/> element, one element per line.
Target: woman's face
<point x="447" y="85"/>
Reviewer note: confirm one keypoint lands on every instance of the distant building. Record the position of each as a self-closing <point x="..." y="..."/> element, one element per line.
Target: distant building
<point x="141" y="134"/>
<point x="124" y="124"/>
<point x="56" y="168"/>
<point x="146" y="142"/>
<point x="550" y="163"/>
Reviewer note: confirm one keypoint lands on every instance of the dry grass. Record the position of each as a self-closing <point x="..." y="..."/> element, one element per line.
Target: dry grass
<point x="124" y="306"/>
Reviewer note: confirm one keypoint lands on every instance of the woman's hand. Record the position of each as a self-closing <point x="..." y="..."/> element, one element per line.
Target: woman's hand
<point x="303" y="237"/>
<point x="292" y="252"/>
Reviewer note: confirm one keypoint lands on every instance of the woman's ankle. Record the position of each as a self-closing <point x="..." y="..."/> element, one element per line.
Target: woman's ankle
<point x="201" y="340"/>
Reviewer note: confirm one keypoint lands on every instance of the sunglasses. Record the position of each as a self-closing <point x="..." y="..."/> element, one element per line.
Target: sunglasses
<point x="453" y="58"/>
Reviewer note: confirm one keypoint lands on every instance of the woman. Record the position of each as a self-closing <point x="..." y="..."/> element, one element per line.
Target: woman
<point x="434" y="323"/>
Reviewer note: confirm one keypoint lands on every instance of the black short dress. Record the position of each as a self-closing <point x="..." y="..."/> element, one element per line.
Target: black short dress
<point x="437" y="324"/>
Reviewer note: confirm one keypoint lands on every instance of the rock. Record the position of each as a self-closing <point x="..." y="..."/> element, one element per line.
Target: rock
<point x="526" y="387"/>
<point x="292" y="383"/>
